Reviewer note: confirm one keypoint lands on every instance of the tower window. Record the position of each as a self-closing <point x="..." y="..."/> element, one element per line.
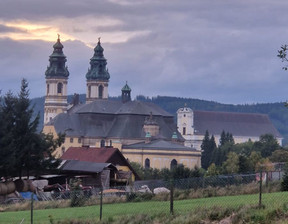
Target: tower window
<point x="147" y="163"/>
<point x="59" y="87"/>
<point x="48" y="89"/>
<point x="100" y="92"/>
<point x="184" y="131"/>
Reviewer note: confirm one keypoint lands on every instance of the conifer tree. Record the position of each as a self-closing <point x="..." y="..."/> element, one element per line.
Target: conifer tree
<point x="208" y="145"/>
<point x="23" y="149"/>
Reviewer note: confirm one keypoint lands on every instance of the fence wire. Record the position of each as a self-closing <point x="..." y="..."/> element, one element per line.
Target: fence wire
<point x="144" y="197"/>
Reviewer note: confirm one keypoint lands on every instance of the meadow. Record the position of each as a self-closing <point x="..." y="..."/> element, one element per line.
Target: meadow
<point x="240" y="208"/>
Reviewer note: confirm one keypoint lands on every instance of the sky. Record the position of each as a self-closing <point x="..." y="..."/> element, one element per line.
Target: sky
<point x="223" y="51"/>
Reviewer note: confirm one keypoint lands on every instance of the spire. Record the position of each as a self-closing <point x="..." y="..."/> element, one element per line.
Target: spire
<point x="98" y="62"/>
<point x="126" y="93"/>
<point x="57" y="61"/>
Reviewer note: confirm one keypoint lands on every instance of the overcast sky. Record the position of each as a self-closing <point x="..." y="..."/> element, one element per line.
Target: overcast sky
<point x="224" y="51"/>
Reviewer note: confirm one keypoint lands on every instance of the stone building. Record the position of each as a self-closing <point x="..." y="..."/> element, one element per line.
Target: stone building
<point x="243" y="126"/>
<point x="108" y="123"/>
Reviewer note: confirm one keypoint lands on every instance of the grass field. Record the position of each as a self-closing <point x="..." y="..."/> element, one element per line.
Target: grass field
<point x="271" y="201"/>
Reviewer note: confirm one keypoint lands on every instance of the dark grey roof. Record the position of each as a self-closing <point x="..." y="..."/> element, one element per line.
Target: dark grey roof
<point x="81" y="166"/>
<point x="117" y="107"/>
<point x="239" y="124"/>
<point x="159" y="144"/>
<point x="114" y="119"/>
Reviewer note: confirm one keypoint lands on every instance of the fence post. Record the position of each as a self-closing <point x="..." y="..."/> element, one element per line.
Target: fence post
<point x="32" y="208"/>
<point x="171" y="196"/>
<point x="101" y="202"/>
<point x="260" y="190"/>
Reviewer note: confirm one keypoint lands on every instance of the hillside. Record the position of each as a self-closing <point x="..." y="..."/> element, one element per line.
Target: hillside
<point x="277" y="112"/>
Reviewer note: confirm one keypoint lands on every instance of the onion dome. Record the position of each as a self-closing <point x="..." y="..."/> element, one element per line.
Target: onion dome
<point x="98" y="62"/>
<point x="57" y="61"/>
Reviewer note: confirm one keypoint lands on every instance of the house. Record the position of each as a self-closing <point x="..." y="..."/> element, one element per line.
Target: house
<point x="101" y="157"/>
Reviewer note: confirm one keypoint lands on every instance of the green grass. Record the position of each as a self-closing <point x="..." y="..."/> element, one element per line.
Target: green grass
<point x="271" y="201"/>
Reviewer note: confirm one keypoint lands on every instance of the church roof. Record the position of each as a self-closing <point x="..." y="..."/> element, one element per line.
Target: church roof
<point x="239" y="124"/>
<point x="114" y="119"/>
<point x="159" y="144"/>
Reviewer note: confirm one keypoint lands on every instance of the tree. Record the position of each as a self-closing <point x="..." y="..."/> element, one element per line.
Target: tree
<point x="231" y="165"/>
<point x="7" y="146"/>
<point x="212" y="170"/>
<point x="226" y="138"/>
<point x="282" y="53"/>
<point x="29" y="150"/>
<point x="284" y="183"/>
<point x="266" y="145"/>
<point x="208" y="146"/>
<point x="279" y="155"/>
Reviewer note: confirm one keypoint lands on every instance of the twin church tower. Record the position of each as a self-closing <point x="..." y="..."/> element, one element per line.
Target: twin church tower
<point x="57" y="74"/>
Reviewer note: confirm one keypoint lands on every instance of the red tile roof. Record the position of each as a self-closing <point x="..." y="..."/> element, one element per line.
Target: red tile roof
<point x="90" y="154"/>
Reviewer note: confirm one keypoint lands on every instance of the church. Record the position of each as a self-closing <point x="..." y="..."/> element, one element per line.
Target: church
<point x="142" y="131"/>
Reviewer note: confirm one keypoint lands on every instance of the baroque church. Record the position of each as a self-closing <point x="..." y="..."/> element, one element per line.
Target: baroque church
<point x="142" y="131"/>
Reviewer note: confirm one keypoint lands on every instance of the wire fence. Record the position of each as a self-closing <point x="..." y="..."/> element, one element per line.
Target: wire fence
<point x="143" y="197"/>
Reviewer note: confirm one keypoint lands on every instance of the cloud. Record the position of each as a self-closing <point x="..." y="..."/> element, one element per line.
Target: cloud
<point x="215" y="50"/>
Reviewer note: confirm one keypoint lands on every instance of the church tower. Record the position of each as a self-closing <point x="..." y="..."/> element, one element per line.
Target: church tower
<point x="126" y="93"/>
<point x="56" y="83"/>
<point x="97" y="76"/>
<point x="185" y="124"/>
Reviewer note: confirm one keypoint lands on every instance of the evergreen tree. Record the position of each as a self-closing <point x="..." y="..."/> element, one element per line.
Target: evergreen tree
<point x="23" y="149"/>
<point x="207" y="148"/>
<point x="7" y="146"/>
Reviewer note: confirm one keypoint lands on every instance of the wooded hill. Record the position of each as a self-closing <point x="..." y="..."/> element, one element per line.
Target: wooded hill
<point x="277" y="112"/>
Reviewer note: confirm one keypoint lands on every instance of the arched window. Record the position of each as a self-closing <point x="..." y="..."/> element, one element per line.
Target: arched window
<point x="173" y="164"/>
<point x="100" y="92"/>
<point x="59" y="87"/>
<point x="48" y="89"/>
<point x="102" y="143"/>
<point x="147" y="163"/>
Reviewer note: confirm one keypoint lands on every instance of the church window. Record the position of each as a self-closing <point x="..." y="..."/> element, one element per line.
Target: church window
<point x="59" y="87"/>
<point x="102" y="143"/>
<point x="184" y="131"/>
<point x="71" y="140"/>
<point x="184" y="115"/>
<point x="48" y="89"/>
<point x="110" y="142"/>
<point x="147" y="163"/>
<point x="100" y="92"/>
<point x="173" y="164"/>
<point x="79" y="140"/>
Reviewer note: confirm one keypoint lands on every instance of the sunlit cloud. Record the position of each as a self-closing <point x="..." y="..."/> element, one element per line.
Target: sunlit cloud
<point x="87" y="29"/>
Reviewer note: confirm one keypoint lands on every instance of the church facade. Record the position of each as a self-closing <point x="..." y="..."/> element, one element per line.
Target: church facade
<point x="128" y="125"/>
